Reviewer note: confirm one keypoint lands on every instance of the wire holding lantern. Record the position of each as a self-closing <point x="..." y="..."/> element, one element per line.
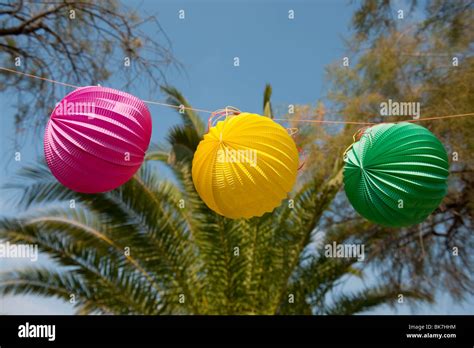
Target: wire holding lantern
<point x="327" y="122"/>
<point x="303" y="156"/>
<point x="292" y="131"/>
<point x="355" y="138"/>
<point x="217" y="115"/>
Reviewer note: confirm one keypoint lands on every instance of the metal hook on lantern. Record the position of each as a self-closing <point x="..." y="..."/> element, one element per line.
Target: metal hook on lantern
<point x="292" y="132"/>
<point x="219" y="114"/>
<point x="356" y="137"/>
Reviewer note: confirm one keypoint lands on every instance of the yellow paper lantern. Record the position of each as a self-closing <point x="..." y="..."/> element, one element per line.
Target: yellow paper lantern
<point x="245" y="166"/>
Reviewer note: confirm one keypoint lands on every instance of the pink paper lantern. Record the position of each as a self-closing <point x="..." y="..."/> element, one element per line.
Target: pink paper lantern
<point x="96" y="139"/>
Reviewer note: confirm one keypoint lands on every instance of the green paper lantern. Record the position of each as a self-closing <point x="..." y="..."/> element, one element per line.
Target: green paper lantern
<point x="396" y="174"/>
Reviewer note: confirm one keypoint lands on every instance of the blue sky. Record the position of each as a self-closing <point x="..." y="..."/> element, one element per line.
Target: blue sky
<point x="289" y="54"/>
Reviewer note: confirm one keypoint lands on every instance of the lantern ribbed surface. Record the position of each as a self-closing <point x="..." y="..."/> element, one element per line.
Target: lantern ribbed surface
<point x="245" y="166"/>
<point x="96" y="139"/>
<point x="396" y="174"/>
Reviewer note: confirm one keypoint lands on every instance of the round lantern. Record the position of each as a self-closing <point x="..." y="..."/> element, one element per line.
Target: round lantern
<point x="245" y="166"/>
<point x="96" y="139"/>
<point x="396" y="174"/>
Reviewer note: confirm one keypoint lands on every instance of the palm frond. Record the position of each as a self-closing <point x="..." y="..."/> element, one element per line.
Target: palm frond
<point x="267" y="105"/>
<point x="369" y="298"/>
<point x="44" y="282"/>
<point x="184" y="142"/>
<point x="158" y="152"/>
<point x="190" y="118"/>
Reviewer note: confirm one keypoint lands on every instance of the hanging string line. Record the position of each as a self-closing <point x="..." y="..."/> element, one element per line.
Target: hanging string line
<point x="74" y="86"/>
<point x="322" y="121"/>
<point x="38" y="77"/>
<point x="372" y="123"/>
<point x="182" y="107"/>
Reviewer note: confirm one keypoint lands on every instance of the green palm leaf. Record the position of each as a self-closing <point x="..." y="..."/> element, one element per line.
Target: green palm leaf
<point x="371" y="297"/>
<point x="190" y="118"/>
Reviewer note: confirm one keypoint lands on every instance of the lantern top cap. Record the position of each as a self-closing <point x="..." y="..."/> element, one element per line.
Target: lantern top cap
<point x="217" y="115"/>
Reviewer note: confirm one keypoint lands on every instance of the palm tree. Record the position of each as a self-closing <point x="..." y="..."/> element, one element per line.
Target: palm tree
<point x="153" y="247"/>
